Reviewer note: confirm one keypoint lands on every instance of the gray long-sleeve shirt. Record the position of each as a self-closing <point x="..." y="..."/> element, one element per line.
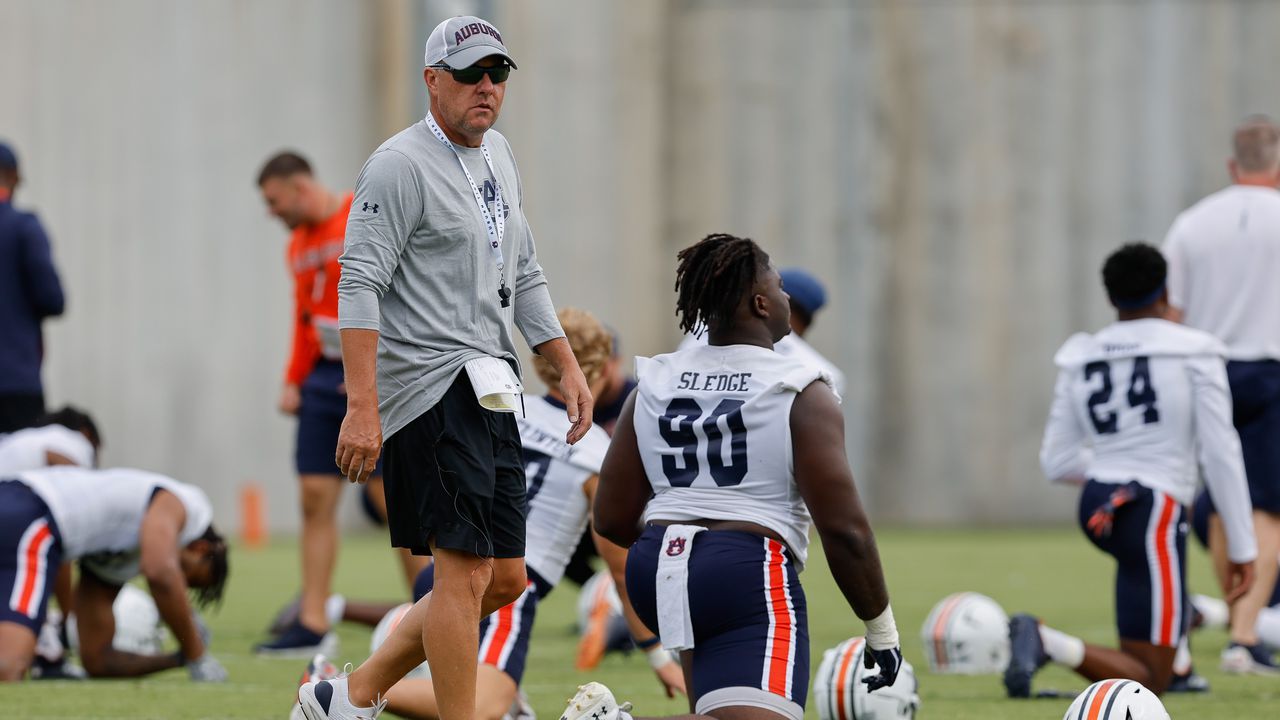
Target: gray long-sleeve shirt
<point x="418" y="269"/>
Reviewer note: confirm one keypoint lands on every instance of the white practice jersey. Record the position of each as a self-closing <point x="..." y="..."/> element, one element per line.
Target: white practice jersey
<point x="1139" y="400"/>
<point x="792" y="346"/>
<point x="713" y="425"/>
<point x="28" y="449"/>
<point x="1224" y="258"/>
<point x="555" y="472"/>
<point x="99" y="513"/>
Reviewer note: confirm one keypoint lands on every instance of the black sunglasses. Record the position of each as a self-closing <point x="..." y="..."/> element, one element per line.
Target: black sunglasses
<point x="470" y="76"/>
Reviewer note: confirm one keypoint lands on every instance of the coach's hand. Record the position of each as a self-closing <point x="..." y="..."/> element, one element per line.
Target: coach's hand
<point x="1238" y="581"/>
<point x="359" y="442"/>
<point x="578" y="403"/>
<point x="890" y="662"/>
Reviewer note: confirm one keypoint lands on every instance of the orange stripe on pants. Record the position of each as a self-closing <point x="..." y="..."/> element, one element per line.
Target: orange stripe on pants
<point x="782" y="629"/>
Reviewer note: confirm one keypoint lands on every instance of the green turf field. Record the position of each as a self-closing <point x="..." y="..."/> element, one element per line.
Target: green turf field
<point x="1052" y="572"/>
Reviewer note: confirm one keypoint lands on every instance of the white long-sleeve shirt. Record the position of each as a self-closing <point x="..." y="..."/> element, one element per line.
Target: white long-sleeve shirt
<point x="1143" y="400"/>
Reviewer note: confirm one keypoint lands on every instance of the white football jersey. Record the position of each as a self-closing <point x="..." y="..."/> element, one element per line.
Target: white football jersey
<point x="1137" y="401"/>
<point x="26" y="449"/>
<point x="99" y="513"/>
<point x="555" y="473"/>
<point x="713" y="425"/>
<point x="793" y="346"/>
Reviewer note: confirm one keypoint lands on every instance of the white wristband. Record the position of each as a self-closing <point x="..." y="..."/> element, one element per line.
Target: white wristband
<point x="659" y="657"/>
<point x="882" y="631"/>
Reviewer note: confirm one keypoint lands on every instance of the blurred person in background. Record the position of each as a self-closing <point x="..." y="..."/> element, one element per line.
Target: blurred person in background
<point x="313" y="391"/>
<point x="1136" y="406"/>
<point x="29" y="292"/>
<point x="808" y="296"/>
<point x="1224" y="262"/>
<point x="617" y="385"/>
<point x="119" y="524"/>
<point x="64" y="437"/>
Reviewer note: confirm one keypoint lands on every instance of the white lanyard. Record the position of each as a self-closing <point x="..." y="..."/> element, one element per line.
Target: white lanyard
<point x="494" y="223"/>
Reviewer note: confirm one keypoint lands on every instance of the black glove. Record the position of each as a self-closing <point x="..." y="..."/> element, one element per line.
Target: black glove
<point x="889" y="661"/>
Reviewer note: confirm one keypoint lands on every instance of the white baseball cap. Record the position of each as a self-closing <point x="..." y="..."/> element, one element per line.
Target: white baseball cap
<point x="461" y="42"/>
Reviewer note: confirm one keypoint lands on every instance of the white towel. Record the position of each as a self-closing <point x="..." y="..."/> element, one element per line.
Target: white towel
<point x="675" y="627"/>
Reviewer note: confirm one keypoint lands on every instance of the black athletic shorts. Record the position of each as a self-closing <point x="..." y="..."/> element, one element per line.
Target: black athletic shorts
<point x="454" y="477"/>
<point x="1255" y="395"/>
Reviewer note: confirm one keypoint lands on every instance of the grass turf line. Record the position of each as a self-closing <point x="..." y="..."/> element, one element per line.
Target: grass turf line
<point x="1053" y="573"/>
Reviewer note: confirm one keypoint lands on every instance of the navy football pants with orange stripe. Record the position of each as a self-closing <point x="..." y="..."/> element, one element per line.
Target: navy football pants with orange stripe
<point x="504" y="633"/>
<point x="30" y="553"/>
<point x="750" y="624"/>
<point x="1149" y="542"/>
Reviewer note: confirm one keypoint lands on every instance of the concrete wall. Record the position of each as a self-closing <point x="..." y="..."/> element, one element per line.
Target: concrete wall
<point x="955" y="172"/>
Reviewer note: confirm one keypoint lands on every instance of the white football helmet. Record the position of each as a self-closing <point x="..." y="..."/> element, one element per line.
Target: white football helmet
<point x="383" y="630"/>
<point x="966" y="634"/>
<point x="138" y="626"/>
<point x="840" y="693"/>
<point x="598" y="591"/>
<point x="1117" y="700"/>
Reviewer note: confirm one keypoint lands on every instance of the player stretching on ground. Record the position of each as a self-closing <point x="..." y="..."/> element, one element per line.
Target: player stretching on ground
<point x="119" y="523"/>
<point x="725" y="451"/>
<point x="1142" y="393"/>
<point x="561" y="484"/>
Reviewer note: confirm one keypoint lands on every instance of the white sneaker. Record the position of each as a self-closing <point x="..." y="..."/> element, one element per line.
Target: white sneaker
<point x="595" y="701"/>
<point x="1241" y="660"/>
<point x="328" y="700"/>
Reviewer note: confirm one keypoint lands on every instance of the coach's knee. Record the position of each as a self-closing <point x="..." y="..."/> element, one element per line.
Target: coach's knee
<point x="509" y="582"/>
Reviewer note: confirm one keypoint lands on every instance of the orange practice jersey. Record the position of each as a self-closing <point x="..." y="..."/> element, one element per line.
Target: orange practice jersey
<point x="313" y="258"/>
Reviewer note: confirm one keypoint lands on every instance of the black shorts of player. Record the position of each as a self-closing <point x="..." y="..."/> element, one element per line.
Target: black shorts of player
<point x="1255" y="394"/>
<point x="454" y="477"/>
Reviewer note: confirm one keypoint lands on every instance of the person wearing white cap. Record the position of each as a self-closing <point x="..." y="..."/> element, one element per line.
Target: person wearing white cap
<point x="439" y="269"/>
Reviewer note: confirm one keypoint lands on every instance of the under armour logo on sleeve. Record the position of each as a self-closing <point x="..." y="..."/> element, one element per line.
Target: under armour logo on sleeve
<point x="370" y="207"/>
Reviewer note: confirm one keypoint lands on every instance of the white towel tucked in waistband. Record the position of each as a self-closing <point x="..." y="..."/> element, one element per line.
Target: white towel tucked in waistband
<point x="675" y="627"/>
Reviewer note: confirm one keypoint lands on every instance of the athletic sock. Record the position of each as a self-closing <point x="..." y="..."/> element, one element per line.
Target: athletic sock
<point x="1268" y="626"/>
<point x="342" y="699"/>
<point x="1061" y="647"/>
<point x="1182" y="658"/>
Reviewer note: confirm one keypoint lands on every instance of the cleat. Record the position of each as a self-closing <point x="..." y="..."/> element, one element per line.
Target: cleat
<point x="320" y="668"/>
<point x="1240" y="659"/>
<point x="298" y="642"/>
<point x="596" y="702"/>
<point x="1026" y="655"/>
<point x="1188" y="683"/>
<point x="328" y="700"/>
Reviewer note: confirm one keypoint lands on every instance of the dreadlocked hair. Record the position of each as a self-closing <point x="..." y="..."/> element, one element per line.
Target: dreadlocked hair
<point x="212" y="593"/>
<point x="712" y="277"/>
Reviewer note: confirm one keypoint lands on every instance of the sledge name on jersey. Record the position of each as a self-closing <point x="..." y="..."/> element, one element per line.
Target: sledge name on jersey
<point x="720" y="382"/>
